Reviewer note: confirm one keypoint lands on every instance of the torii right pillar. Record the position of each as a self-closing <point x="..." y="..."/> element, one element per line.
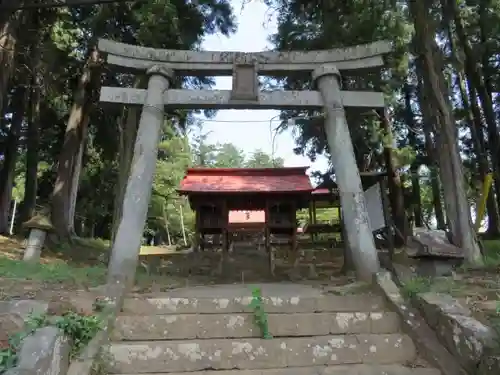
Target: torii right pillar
<point x="352" y="199"/>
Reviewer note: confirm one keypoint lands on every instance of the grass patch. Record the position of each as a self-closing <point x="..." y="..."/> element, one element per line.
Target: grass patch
<point x="55" y="272"/>
<point x="416" y="285"/>
<point x="491" y="258"/>
<point x="420" y="284"/>
<point x="96" y="243"/>
<point x="491" y="253"/>
<point x="491" y="247"/>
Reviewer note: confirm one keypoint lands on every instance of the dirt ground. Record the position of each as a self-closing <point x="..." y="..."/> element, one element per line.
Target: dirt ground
<point x="82" y="266"/>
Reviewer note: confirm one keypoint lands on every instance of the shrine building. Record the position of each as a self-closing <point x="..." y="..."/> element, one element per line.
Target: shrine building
<point x="228" y="200"/>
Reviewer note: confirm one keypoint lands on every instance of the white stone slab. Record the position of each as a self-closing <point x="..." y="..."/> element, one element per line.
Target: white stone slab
<point x="265" y="57"/>
<point x="225" y="69"/>
<point x="221" y="99"/>
<point x="374" y="207"/>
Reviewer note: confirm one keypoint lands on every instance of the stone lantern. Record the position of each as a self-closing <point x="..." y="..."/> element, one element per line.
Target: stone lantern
<point x="39" y="226"/>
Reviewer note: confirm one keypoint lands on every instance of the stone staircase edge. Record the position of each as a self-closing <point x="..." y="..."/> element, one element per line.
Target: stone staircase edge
<point x="415" y="326"/>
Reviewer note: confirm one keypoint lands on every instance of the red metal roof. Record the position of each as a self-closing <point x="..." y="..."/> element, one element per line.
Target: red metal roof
<point x="245" y="180"/>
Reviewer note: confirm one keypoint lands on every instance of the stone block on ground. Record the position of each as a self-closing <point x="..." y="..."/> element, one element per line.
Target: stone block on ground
<point x="45" y="352"/>
<point x="465" y="337"/>
<point x="14" y="314"/>
<point x="436" y="267"/>
<point x="433" y="305"/>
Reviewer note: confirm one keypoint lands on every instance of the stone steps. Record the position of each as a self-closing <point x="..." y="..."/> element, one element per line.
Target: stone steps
<point x="204" y="326"/>
<point x="211" y="331"/>
<point x="335" y="370"/>
<point x="226" y="354"/>
<point x="164" y="304"/>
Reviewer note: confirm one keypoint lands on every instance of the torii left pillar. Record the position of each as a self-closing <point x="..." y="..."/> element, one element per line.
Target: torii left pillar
<point x="126" y="246"/>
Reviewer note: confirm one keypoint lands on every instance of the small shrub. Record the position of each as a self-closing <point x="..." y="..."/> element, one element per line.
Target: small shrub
<point x="79" y="328"/>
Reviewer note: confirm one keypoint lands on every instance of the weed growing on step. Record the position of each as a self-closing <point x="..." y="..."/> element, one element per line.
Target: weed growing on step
<point x="259" y="314"/>
<point x="80" y="329"/>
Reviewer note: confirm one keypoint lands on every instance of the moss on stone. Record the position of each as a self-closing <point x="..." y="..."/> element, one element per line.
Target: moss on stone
<point x="39" y="222"/>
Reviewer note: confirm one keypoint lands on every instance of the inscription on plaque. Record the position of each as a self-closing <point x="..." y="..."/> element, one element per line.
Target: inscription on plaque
<point x="245" y="82"/>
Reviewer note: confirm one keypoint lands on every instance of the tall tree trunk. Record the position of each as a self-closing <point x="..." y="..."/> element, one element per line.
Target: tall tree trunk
<point x="33" y="141"/>
<point x="33" y="119"/>
<point x="415" y="182"/>
<point x="394" y="182"/>
<point x="127" y="126"/>
<point x="74" y="136"/>
<point x="75" y="181"/>
<point x="7" y="174"/>
<point x="24" y="48"/>
<point x="477" y="137"/>
<point x="474" y="120"/>
<point x="430" y="148"/>
<point x="457" y="208"/>
<point x="432" y="161"/>
<point x="8" y="39"/>
<point x="488" y="72"/>
<point x="474" y="74"/>
<point x="484" y="21"/>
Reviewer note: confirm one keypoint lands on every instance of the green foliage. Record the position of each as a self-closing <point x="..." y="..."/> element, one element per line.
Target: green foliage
<point x="227" y="155"/>
<point x="259" y="313"/>
<point x="66" y="36"/>
<point x="79" y="328"/>
<point x="311" y="25"/>
<point x="260" y="159"/>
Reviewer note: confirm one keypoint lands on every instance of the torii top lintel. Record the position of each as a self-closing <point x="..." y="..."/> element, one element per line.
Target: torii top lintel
<point x="275" y="63"/>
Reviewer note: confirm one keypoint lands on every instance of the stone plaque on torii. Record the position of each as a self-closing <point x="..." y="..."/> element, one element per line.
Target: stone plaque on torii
<point x="162" y="65"/>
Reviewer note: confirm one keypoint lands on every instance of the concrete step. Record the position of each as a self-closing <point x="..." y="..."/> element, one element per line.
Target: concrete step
<point x="332" y="370"/>
<point x="204" y="326"/>
<point x="165" y="304"/>
<point x="228" y="354"/>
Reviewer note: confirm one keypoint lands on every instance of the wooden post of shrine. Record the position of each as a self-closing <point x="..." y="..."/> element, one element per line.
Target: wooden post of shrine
<point x="225" y="239"/>
<point x="311" y="203"/>
<point x="267" y="238"/>
<point x="294" y="249"/>
<point x="197" y="229"/>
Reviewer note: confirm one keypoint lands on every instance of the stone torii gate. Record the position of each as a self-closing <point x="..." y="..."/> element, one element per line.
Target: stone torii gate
<point x="162" y="65"/>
